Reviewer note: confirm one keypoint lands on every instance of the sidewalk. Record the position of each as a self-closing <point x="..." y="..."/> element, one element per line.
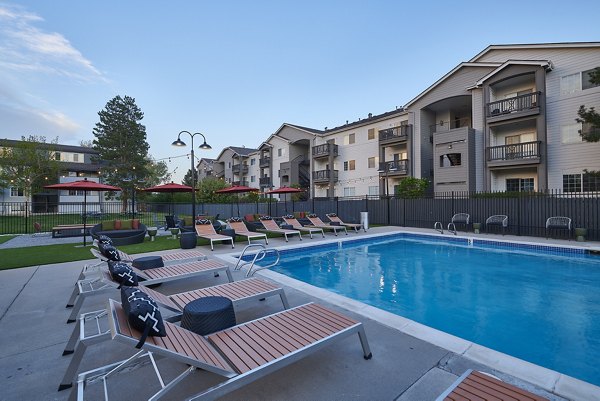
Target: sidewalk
<point x="34" y="333"/>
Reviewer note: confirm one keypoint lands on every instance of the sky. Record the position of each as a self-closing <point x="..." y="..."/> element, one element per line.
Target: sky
<point x="236" y="70"/>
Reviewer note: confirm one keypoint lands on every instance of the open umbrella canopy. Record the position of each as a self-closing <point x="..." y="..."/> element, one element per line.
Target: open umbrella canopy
<point x="236" y="189"/>
<point x="284" y="190"/>
<point x="85" y="186"/>
<point x="171" y="187"/>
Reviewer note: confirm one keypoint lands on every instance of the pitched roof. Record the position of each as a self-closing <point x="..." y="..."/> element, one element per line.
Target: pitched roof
<point x="54" y="146"/>
<point x="534" y="46"/>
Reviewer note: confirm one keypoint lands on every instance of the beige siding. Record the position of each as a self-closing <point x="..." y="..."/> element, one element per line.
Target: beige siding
<point x="478" y="122"/>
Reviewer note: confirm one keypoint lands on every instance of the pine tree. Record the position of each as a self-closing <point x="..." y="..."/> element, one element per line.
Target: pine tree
<point x="120" y="140"/>
<point x="187" y="178"/>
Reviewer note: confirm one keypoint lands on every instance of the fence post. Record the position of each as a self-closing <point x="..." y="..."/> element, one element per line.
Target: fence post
<point x="453" y="211"/>
<point x="388" y="211"/>
<point x="520" y="199"/>
<point x="403" y="212"/>
<point x="26" y="217"/>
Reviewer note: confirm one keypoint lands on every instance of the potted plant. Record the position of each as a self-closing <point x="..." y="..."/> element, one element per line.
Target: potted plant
<point x="476" y="227"/>
<point x="580" y="233"/>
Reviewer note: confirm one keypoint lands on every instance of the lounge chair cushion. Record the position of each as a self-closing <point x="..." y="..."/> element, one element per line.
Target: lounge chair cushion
<point x="109" y="252"/>
<point x="108" y="225"/>
<point x="125" y="225"/>
<point x="135" y="224"/>
<point x="122" y="273"/>
<point x="142" y="313"/>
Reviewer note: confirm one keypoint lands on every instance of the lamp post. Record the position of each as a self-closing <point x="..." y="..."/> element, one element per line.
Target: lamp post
<point x="204" y="146"/>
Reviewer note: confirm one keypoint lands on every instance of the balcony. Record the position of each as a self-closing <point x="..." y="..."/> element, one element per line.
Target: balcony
<point x="324" y="150"/>
<point x="239" y="168"/>
<point x="518" y="106"/>
<point x="264" y="181"/>
<point x="396" y="134"/>
<point x="323" y="176"/>
<point x="264" y="162"/>
<point x="515" y="154"/>
<point x="238" y="183"/>
<point x="396" y="167"/>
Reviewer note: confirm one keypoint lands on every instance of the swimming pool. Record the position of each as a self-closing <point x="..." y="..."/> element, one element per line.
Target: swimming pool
<point x="534" y="302"/>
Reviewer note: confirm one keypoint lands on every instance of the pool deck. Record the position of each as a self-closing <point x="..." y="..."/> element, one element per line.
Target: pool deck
<point x="410" y="361"/>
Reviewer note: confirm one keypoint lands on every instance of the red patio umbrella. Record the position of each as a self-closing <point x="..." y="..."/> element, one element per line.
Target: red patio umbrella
<point x="171" y="187"/>
<point x="236" y="189"/>
<point x="284" y="190"/>
<point x="85" y="186"/>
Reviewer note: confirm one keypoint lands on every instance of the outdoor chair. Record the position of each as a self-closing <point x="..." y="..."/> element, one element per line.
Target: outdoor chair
<point x="315" y="221"/>
<point x="167" y="258"/>
<point x="104" y="283"/>
<point x="334" y="218"/>
<point x="292" y="221"/>
<point x="205" y="229"/>
<point x="230" y="353"/>
<point x="239" y="292"/>
<point x="271" y="227"/>
<point x="240" y="229"/>
<point x="500" y="220"/>
<point x="558" y="223"/>
<point x="473" y="385"/>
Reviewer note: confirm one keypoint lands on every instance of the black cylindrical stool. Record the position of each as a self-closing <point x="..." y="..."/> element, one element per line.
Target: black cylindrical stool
<point x="187" y="240"/>
<point x="148" y="262"/>
<point x="207" y="315"/>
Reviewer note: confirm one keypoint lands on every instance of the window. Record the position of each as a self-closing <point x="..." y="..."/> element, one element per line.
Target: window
<point x="371" y="134"/>
<point x="228" y="164"/>
<point x="349" y="191"/>
<point x="76" y="157"/>
<point x="252" y="177"/>
<point x="581" y="183"/>
<point x="349" y="139"/>
<point x="372" y="162"/>
<point x="252" y="161"/>
<point x="57" y="156"/>
<point x="73" y="192"/>
<point x="519" y="184"/>
<point x="450" y="160"/>
<point x="373" y="190"/>
<point x="280" y="152"/>
<point x="14" y="191"/>
<point x="570" y="133"/>
<point x="569" y="84"/>
<point x="350" y="165"/>
<point x="586" y="79"/>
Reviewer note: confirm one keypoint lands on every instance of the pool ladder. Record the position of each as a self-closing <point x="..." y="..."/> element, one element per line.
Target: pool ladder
<point x="258" y="256"/>
<point x="451" y="227"/>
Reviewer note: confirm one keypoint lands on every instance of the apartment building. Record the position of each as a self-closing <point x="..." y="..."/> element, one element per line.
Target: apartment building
<point x="75" y="164"/>
<point x="205" y="168"/>
<point x="233" y="165"/>
<point x="505" y="121"/>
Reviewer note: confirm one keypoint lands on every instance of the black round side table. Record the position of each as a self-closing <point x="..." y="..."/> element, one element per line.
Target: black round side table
<point x="187" y="240"/>
<point x="208" y="314"/>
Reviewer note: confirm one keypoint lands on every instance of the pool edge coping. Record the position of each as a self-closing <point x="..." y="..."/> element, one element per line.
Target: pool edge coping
<point x="547" y="379"/>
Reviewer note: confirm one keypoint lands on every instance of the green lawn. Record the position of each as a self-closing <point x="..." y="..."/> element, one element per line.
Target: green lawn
<point x="43" y="255"/>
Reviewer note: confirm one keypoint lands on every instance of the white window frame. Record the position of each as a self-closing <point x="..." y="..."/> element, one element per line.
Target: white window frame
<point x="570" y="84"/>
<point x="569" y="133"/>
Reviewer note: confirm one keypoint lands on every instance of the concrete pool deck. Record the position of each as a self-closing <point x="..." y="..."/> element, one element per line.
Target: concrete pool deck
<point x="410" y="361"/>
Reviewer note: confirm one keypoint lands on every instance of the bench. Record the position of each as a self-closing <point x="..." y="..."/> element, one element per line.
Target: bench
<point x="69" y="230"/>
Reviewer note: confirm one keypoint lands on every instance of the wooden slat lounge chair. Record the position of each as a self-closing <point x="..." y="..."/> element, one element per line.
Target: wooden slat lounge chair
<point x="292" y="221"/>
<point x="205" y="229"/>
<point x="334" y="218"/>
<point x="240" y="354"/>
<point x="159" y="275"/>
<point x="315" y="221"/>
<point x="240" y="228"/>
<point x="271" y="227"/>
<point x="473" y="385"/>
<point x="252" y="289"/>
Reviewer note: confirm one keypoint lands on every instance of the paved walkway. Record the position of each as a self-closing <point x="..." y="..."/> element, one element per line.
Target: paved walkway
<point x="404" y="367"/>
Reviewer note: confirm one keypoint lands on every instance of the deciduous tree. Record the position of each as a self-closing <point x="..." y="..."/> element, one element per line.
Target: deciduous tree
<point x="590" y="116"/>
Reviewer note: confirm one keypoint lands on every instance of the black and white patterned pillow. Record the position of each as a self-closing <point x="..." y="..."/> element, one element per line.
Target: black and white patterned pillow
<point x="266" y="218"/>
<point x="235" y="220"/>
<point x="104" y="239"/>
<point x="331" y="215"/>
<point x="109" y="252"/>
<point x="312" y="215"/>
<point x="122" y="273"/>
<point x="289" y="216"/>
<point x="202" y="222"/>
<point x="142" y="313"/>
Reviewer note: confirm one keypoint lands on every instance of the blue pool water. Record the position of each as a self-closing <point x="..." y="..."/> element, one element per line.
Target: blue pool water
<point x="539" y="307"/>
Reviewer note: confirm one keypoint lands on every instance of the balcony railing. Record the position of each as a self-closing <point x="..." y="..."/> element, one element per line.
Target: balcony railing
<point x="324" y="150"/>
<point x="324" y="175"/>
<point x="237" y="183"/>
<point x="400" y="133"/>
<point x="264" y="181"/>
<point x="237" y="168"/>
<point x="264" y="162"/>
<point x="513" y="104"/>
<point x="394" y="167"/>
<point x="517" y="151"/>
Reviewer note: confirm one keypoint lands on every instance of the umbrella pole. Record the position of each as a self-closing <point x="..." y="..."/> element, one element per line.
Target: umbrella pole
<point x="84" y="214"/>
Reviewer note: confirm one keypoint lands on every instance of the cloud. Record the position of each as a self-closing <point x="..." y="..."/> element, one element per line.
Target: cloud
<point x="29" y="49"/>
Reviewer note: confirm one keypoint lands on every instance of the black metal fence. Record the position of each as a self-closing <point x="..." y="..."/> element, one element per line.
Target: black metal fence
<point x="527" y="212"/>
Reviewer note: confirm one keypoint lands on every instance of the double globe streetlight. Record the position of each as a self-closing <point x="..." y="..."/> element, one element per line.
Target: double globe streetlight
<point x="204" y="146"/>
